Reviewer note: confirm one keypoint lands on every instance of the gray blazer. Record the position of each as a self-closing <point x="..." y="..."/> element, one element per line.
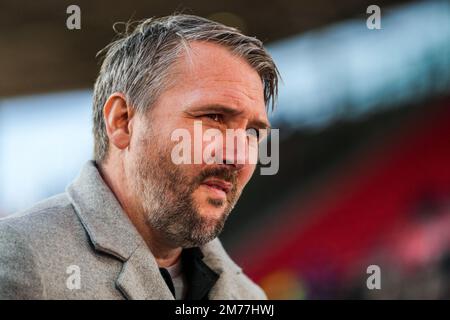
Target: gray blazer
<point x="81" y="245"/>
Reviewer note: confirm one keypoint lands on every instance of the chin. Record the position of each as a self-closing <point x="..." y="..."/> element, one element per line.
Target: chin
<point x="212" y="210"/>
<point x="209" y="205"/>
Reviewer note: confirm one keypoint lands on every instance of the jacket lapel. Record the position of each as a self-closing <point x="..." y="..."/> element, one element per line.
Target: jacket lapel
<point x="111" y="232"/>
<point x="140" y="277"/>
<point x="218" y="260"/>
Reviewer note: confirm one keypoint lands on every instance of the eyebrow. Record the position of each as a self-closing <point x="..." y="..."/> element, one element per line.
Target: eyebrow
<point x="260" y="124"/>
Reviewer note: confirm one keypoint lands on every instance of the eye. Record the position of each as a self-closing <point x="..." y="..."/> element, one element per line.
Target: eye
<point x="253" y="132"/>
<point x="215" y="117"/>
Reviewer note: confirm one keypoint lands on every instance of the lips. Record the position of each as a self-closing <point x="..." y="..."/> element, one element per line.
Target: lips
<point x="218" y="184"/>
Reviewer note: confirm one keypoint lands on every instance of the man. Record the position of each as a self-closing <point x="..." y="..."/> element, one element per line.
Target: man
<point x="135" y="224"/>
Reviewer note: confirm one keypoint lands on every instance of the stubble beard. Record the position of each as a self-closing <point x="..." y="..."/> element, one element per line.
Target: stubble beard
<point x="167" y="201"/>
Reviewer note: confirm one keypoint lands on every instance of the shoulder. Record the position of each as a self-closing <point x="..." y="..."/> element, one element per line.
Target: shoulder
<point x="47" y="219"/>
<point x="19" y="270"/>
<point x="33" y="243"/>
<point x="51" y="228"/>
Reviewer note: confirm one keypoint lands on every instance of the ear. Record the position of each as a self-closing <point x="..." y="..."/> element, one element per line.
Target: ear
<point x="117" y="115"/>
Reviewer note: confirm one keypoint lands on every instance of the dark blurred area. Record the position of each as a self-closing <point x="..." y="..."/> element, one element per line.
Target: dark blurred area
<point x="364" y="118"/>
<point x="39" y="54"/>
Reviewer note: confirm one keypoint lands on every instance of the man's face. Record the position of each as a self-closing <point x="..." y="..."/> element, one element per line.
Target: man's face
<point x="188" y="203"/>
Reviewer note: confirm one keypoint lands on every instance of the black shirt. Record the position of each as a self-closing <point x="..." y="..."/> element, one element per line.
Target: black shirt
<point x="199" y="277"/>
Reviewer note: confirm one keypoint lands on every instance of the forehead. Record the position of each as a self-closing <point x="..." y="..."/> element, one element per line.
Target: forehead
<point x="209" y="73"/>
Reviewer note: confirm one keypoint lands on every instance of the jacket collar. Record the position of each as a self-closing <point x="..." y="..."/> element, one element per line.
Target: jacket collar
<point x="107" y="225"/>
<point x="111" y="232"/>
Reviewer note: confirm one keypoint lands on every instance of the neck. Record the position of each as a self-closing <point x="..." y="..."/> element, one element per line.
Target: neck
<point x="113" y="175"/>
<point x="164" y="254"/>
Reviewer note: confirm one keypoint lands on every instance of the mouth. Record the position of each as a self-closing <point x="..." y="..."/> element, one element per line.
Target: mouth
<point x="218" y="186"/>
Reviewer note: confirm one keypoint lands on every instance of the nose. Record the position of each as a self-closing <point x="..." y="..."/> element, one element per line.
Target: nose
<point x="236" y="149"/>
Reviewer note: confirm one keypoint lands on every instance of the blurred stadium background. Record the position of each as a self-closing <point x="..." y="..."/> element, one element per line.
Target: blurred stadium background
<point x="365" y="135"/>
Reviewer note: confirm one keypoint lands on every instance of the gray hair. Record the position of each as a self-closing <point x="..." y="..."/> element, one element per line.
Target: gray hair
<point x="137" y="64"/>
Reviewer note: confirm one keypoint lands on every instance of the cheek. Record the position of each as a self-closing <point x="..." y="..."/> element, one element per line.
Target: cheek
<point x="245" y="174"/>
